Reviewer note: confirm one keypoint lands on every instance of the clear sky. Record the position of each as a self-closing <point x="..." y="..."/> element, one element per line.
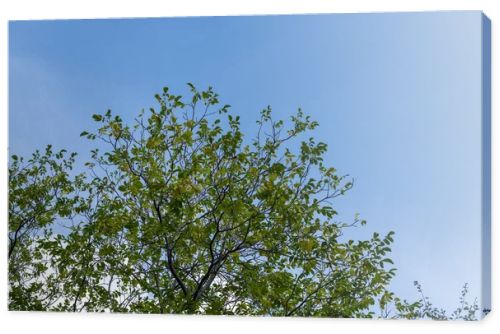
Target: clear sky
<point x="397" y="96"/>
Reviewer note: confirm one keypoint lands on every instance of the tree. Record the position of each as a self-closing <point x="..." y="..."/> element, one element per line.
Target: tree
<point x="39" y="191"/>
<point x="181" y="214"/>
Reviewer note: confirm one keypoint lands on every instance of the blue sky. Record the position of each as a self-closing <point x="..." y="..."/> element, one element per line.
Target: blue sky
<point x="397" y="96"/>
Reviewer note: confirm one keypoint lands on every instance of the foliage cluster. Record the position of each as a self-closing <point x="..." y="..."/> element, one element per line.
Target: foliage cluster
<point x="179" y="214"/>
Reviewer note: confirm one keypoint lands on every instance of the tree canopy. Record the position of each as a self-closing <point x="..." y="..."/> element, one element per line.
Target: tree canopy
<point x="181" y="212"/>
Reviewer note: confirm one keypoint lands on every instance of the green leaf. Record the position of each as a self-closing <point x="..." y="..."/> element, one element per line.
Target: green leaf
<point x="97" y="117"/>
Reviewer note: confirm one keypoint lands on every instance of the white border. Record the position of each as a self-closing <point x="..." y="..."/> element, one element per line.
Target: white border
<point x="64" y="323"/>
